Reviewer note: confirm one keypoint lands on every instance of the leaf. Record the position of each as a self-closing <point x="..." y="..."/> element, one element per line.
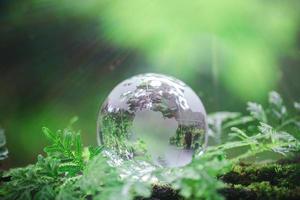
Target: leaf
<point x="141" y="189"/>
<point x="265" y="128"/>
<point x="52" y="149"/>
<point x="67" y="139"/>
<point x="198" y="179"/>
<point x="3" y="149"/>
<point x="2" y="138"/>
<point x="221" y="117"/>
<point x="70" y="169"/>
<point x="93" y="151"/>
<point x="215" y="122"/>
<point x="238" y="133"/>
<point x="49" y="134"/>
<point x="66" y="146"/>
<point x="277" y="107"/>
<point x="3" y="153"/>
<point x="67" y="192"/>
<point x="275" y="99"/>
<point x="73" y="120"/>
<point x="257" y="112"/>
<point x="239" y="121"/>
<point x="45" y="193"/>
<point x="297" y="106"/>
<point x="78" y="145"/>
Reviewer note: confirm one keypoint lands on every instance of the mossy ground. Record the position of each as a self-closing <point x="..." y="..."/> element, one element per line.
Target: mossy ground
<point x="279" y="180"/>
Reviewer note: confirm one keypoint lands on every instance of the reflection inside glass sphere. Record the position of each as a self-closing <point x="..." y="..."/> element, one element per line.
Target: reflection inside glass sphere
<point x="156" y="116"/>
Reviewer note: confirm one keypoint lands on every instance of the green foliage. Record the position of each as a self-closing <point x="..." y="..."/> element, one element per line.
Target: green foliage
<point x="34" y="181"/>
<point x="275" y="114"/>
<point x="3" y="149"/>
<point x="198" y="180"/>
<point x="67" y="147"/>
<point x="257" y="112"/>
<point x="101" y="181"/>
<point x="71" y="171"/>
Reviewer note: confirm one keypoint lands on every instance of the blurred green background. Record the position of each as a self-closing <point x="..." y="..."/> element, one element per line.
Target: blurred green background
<point x="61" y="58"/>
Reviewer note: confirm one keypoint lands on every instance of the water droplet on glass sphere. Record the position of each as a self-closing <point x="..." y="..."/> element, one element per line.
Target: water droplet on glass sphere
<point x="156" y="116"/>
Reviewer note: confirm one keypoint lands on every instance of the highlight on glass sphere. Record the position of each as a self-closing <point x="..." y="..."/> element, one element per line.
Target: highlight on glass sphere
<point x="156" y="116"/>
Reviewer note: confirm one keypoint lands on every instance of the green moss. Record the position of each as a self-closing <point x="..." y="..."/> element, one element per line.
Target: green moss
<point x="280" y="180"/>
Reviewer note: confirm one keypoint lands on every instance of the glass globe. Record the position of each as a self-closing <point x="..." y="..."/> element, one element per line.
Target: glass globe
<point x="156" y="116"/>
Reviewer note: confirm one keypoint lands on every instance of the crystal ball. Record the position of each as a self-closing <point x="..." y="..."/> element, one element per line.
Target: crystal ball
<point x="154" y="116"/>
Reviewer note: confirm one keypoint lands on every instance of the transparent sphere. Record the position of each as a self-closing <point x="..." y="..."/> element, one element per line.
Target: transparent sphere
<point x="156" y="116"/>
